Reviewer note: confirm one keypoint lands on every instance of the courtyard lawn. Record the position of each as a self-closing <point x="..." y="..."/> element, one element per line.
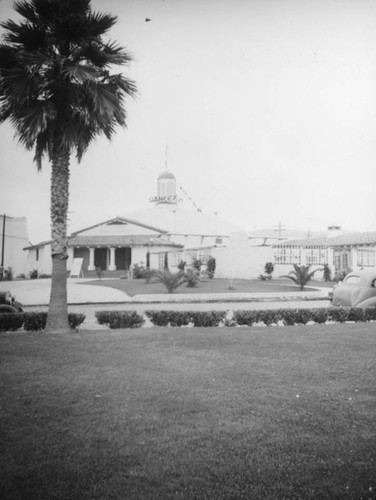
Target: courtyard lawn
<point x="222" y="413"/>
<point x="216" y="285"/>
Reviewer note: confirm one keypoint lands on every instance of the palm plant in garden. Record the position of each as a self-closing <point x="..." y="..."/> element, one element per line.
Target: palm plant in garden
<point x="301" y="275"/>
<point x="170" y="280"/>
<point x="57" y="91"/>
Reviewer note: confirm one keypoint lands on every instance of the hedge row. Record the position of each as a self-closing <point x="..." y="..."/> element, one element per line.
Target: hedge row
<point x="131" y="319"/>
<point x="34" y="321"/>
<point x="303" y="316"/>
<point x="119" y="319"/>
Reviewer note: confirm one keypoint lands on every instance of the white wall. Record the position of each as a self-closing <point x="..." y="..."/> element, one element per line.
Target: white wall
<point x="15" y="240"/>
<point x="239" y="260"/>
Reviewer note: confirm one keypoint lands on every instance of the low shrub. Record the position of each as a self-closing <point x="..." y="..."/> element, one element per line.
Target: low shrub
<point x="370" y="314"/>
<point x="36" y="321"/>
<point x="295" y="316"/>
<point x="268" y="316"/>
<point x="192" y="277"/>
<point x="172" y="318"/>
<point x="75" y="320"/>
<point x="44" y="276"/>
<point x="356" y="314"/>
<point x="320" y="316"/>
<point x="149" y="275"/>
<point x="338" y="315"/>
<point x="207" y="318"/>
<point x="11" y="321"/>
<point x="33" y="275"/>
<point x="184" y="318"/>
<point x="246" y="318"/>
<point x="119" y="319"/>
<point x="210" y="266"/>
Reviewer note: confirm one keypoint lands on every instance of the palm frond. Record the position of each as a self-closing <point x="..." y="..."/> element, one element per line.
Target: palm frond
<point x="58" y="56"/>
<point x="80" y="72"/>
<point x="98" y="23"/>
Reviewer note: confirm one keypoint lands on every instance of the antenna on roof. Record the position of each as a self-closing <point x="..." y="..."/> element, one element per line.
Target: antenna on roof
<point x="166" y="155"/>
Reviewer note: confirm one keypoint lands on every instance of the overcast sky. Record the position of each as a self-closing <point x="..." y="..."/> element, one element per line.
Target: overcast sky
<point x="268" y="108"/>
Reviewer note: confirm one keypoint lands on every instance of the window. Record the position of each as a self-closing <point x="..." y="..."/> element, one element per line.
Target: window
<point x="37" y="254"/>
<point x="287" y="255"/>
<point x="316" y="255"/>
<point x="352" y="279"/>
<point x="366" y="257"/>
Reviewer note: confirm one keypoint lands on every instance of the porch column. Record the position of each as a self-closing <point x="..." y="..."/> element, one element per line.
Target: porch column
<point x="112" y="266"/>
<point x="91" y="266"/>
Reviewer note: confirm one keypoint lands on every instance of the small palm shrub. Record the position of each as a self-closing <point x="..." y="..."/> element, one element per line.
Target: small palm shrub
<point x="301" y="275"/>
<point x="170" y="280"/>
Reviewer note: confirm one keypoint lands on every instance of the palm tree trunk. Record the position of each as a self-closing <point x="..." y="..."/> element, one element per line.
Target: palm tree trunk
<point x="57" y="318"/>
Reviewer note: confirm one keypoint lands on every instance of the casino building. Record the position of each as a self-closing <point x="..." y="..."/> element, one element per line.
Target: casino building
<point x="165" y="232"/>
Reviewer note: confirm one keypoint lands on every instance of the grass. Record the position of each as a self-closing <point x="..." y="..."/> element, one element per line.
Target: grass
<point x="261" y="413"/>
<point x="216" y="285"/>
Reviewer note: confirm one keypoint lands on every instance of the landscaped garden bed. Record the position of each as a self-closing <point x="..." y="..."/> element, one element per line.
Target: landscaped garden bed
<point x="216" y="285"/>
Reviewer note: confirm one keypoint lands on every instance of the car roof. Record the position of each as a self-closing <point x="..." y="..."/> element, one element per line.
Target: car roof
<point x="366" y="276"/>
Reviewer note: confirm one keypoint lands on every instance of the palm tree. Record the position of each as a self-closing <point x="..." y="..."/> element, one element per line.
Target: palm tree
<point x="300" y="275"/>
<point x="57" y="91"/>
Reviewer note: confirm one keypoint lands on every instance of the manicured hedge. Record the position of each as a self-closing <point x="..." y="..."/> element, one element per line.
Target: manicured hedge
<point x="131" y="319"/>
<point x="11" y="321"/>
<point x="34" y="321"/>
<point x="119" y="319"/>
<point x="303" y="316"/>
<point x="184" y="318"/>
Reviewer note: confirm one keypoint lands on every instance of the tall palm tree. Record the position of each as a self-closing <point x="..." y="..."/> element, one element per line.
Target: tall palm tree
<point x="301" y="275"/>
<point x="57" y="91"/>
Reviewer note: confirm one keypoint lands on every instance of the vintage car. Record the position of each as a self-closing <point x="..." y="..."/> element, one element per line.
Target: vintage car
<point x="8" y="303"/>
<point x="358" y="289"/>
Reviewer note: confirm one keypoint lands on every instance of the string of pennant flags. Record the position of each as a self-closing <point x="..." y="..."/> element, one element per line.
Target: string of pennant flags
<point x="190" y="199"/>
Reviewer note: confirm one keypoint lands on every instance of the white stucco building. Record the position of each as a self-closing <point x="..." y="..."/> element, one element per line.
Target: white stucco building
<point x="164" y="231"/>
<point x="342" y="252"/>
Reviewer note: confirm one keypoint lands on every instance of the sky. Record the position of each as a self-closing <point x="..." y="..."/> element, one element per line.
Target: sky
<point x="265" y="111"/>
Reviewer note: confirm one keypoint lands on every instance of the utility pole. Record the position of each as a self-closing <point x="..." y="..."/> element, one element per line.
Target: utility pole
<point x="3" y="242"/>
<point x="280" y="227"/>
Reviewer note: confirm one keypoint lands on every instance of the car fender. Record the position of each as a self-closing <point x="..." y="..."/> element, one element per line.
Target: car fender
<point x="4" y="308"/>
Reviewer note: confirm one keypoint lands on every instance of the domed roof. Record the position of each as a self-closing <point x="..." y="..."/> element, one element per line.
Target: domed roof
<point x="166" y="175"/>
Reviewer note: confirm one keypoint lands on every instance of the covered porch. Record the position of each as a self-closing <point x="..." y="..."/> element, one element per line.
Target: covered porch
<point x="116" y="253"/>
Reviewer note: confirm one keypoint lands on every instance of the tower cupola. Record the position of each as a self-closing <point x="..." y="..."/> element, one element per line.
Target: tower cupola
<point x="167" y="188"/>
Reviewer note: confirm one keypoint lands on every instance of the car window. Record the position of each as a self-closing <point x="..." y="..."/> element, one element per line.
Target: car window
<point x="352" y="280"/>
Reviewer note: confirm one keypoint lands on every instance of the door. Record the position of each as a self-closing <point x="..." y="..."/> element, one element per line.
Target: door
<point x="100" y="258"/>
<point x="123" y="258"/>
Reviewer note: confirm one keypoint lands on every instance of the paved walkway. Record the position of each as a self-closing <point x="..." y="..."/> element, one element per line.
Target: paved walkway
<point x="34" y="295"/>
<point x="37" y="293"/>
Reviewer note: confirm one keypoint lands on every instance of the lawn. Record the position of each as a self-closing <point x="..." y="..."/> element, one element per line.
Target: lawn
<point x="245" y="413"/>
<point x="216" y="285"/>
